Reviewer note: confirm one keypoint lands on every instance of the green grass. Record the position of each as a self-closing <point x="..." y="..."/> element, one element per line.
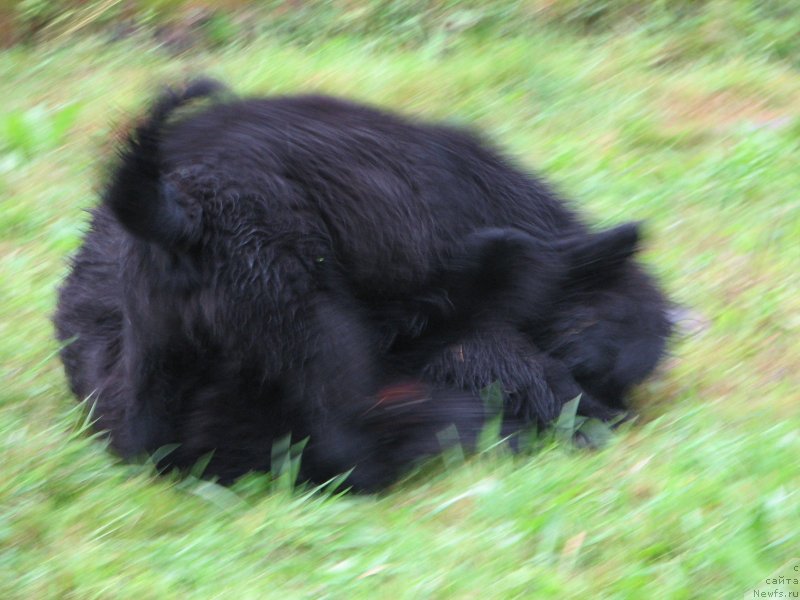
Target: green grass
<point x="698" y="499"/>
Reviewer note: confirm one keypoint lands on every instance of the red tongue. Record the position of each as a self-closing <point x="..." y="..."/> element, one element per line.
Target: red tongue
<point x="402" y="392"/>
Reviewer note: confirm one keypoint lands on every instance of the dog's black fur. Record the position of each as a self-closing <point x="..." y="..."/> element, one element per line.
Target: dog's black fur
<point x="310" y="266"/>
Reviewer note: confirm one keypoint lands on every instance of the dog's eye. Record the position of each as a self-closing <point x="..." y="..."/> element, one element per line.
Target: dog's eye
<point x="582" y="326"/>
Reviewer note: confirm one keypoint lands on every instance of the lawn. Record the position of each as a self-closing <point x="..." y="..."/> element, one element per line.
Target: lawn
<point x="699" y="498"/>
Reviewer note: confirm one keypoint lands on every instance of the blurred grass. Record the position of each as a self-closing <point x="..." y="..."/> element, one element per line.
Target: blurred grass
<point x="695" y="27"/>
<point x="698" y="500"/>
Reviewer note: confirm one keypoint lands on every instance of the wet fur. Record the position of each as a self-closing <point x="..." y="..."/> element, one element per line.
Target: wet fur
<point x="265" y="267"/>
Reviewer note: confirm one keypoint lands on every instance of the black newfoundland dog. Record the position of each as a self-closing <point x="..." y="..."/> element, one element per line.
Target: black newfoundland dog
<point x="307" y="266"/>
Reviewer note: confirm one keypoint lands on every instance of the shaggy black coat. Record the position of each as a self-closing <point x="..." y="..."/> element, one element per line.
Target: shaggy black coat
<point x="311" y="266"/>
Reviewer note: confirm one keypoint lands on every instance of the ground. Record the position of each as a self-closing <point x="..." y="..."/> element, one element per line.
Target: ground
<point x="699" y="498"/>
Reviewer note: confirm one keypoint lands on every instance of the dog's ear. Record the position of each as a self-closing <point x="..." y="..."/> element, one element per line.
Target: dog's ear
<point x="603" y="253"/>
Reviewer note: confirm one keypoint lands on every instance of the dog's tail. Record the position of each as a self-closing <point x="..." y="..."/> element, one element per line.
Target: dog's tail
<point x="146" y="206"/>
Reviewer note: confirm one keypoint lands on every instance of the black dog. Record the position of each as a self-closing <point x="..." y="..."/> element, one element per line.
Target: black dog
<point x="299" y="264"/>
